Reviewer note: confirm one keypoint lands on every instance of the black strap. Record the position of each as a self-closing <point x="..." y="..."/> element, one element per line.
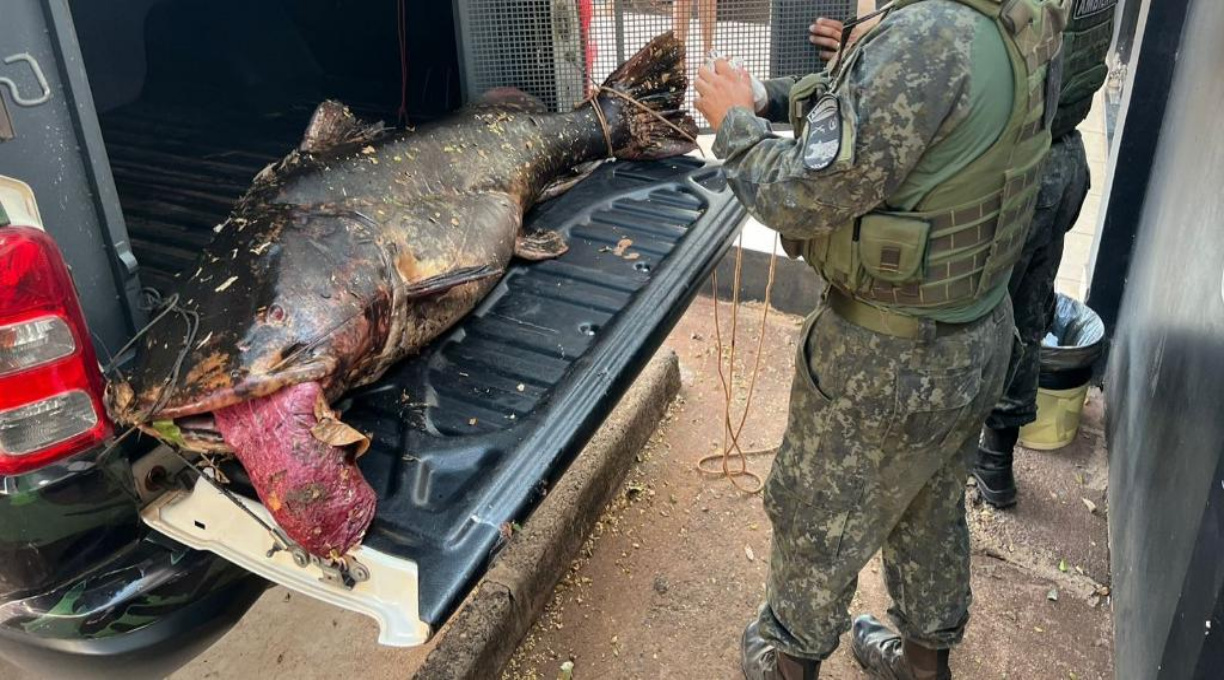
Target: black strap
<point x="848" y="28"/>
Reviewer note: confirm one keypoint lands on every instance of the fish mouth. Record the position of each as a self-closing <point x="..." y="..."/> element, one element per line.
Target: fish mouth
<point x="193" y="415"/>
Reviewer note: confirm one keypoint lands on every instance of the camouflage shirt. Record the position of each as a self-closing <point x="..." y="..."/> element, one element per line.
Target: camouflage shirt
<point x="908" y="90"/>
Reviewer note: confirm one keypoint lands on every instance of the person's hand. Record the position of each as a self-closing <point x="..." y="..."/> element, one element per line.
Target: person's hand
<point x="825" y="34"/>
<point x="720" y="89"/>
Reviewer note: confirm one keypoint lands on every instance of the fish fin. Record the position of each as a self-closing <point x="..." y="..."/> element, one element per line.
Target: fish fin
<point x="511" y="98"/>
<point x="436" y="285"/>
<point x="332" y="125"/>
<point x="565" y="183"/>
<point x="539" y="245"/>
<point x="655" y="79"/>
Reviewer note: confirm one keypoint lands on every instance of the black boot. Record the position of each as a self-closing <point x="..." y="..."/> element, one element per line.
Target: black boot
<point x="886" y="656"/>
<point x="760" y="661"/>
<point x="993" y="471"/>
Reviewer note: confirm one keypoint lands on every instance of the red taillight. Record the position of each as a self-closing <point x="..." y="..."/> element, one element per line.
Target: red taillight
<point x="50" y="385"/>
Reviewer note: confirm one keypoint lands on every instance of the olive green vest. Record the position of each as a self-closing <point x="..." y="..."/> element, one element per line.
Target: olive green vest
<point x="962" y="239"/>
<point x="1085" y="43"/>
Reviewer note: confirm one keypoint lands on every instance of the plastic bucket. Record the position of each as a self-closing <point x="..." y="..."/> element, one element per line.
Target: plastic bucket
<point x="1068" y="357"/>
<point x="1058" y="419"/>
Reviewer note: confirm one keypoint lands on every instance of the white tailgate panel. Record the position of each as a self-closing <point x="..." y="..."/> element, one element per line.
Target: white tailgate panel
<point x="205" y="519"/>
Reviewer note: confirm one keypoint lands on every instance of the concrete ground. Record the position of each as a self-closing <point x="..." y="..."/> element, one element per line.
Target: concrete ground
<point x="678" y="564"/>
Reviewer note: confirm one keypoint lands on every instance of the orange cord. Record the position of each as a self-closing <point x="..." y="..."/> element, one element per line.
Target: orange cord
<point x="731" y="434"/>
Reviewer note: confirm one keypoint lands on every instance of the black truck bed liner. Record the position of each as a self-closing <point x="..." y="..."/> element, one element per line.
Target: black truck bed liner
<point x="469" y="435"/>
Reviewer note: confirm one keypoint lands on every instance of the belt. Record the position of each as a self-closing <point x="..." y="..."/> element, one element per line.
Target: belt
<point x="887" y="322"/>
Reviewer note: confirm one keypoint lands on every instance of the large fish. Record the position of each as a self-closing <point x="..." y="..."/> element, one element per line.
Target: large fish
<point x="353" y="252"/>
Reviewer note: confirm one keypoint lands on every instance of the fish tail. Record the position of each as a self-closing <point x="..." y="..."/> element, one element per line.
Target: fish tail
<point x="648" y="92"/>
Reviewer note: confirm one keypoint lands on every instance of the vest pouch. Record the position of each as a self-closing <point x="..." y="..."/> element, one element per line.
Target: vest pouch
<point x="892" y="248"/>
<point x="835" y="257"/>
<point x="1021" y="188"/>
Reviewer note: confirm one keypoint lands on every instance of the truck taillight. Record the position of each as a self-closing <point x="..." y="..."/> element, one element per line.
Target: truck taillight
<point x="50" y="386"/>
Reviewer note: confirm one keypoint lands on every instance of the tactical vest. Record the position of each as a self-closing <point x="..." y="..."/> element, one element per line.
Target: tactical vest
<point x="962" y="239"/>
<point x="1086" y="41"/>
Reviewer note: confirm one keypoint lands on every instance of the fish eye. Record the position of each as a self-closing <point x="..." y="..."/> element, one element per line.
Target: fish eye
<point x="276" y="314"/>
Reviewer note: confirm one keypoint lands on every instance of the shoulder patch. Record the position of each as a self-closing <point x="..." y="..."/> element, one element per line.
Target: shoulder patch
<point x="823" y="134"/>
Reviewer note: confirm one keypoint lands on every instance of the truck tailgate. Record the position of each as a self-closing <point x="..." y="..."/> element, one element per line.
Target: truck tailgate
<point x="469" y="435"/>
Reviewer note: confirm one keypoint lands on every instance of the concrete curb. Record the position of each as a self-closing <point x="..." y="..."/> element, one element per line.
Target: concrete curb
<point x="488" y="627"/>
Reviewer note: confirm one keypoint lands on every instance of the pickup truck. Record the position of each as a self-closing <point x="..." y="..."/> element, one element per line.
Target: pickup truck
<point x="127" y="130"/>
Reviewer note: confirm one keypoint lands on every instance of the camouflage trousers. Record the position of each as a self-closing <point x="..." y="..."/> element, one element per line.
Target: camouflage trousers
<point x="878" y="442"/>
<point x="1063" y="189"/>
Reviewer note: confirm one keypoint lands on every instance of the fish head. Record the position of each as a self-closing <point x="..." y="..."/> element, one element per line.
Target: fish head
<point x="291" y="297"/>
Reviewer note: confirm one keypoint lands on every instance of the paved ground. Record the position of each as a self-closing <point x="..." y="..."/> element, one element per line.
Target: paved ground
<point x="678" y="565"/>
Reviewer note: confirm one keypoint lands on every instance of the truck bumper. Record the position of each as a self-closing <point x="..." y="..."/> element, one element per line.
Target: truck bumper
<point x="145" y="615"/>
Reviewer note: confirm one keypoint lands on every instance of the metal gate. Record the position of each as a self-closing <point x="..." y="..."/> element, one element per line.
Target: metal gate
<point x="554" y="49"/>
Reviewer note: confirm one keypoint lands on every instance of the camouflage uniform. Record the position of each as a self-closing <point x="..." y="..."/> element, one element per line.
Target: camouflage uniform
<point x="1064" y="186"/>
<point x="882" y="426"/>
<point x="877" y="446"/>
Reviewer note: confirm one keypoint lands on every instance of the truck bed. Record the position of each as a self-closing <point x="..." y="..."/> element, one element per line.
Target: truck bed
<point x="469" y="435"/>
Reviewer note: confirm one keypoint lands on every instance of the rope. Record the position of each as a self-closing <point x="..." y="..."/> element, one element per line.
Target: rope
<point x="191" y="319"/>
<point x="731" y="434"/>
<point x="166" y="309"/>
<point x="401" y="15"/>
<point x="756" y="365"/>
<point x="593" y="100"/>
<point x="603" y="125"/>
<point x="229" y="495"/>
